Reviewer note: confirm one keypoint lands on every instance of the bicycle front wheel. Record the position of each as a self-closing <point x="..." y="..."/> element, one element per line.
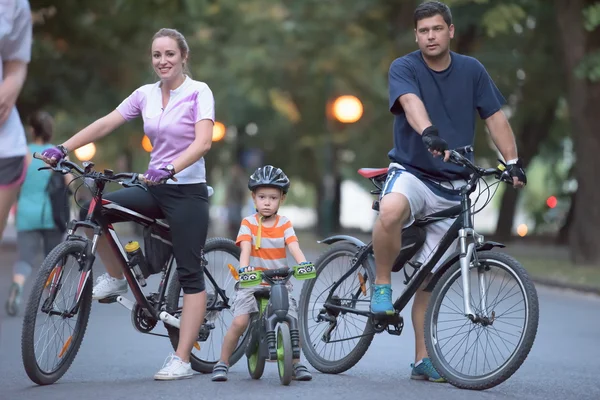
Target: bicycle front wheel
<point x="483" y="353"/>
<point x="334" y="341"/>
<point x="57" y="314"/>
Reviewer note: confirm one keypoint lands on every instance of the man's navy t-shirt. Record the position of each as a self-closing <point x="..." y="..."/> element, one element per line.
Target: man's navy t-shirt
<point x="451" y="98"/>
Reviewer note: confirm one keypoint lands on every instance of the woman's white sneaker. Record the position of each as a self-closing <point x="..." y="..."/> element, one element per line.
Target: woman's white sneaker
<point x="174" y="368"/>
<point x="107" y="286"/>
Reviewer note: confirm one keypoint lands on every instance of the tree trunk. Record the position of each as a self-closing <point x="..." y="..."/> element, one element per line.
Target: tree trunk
<point x="563" y="233"/>
<point x="583" y="98"/>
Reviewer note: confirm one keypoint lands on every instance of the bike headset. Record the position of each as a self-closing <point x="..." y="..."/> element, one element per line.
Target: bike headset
<point x="267" y="176"/>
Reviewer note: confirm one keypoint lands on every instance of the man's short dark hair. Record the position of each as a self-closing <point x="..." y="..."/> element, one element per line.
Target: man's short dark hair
<point x="429" y="9"/>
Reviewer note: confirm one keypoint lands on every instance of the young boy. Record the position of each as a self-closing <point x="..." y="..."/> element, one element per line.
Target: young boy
<point x="262" y="237"/>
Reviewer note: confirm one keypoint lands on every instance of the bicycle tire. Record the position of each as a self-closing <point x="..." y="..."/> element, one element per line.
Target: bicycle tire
<point x="27" y="337"/>
<point x="255" y="361"/>
<point x="285" y="365"/>
<point x="354" y="356"/>
<point x="508" y="368"/>
<point x="172" y="301"/>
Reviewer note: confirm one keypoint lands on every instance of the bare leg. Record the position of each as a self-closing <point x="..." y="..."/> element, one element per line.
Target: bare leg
<point x="235" y="331"/>
<point x="419" y="308"/>
<point x="192" y="316"/>
<point x="8" y="197"/>
<point x="394" y="211"/>
<point x="111" y="262"/>
<point x="19" y="279"/>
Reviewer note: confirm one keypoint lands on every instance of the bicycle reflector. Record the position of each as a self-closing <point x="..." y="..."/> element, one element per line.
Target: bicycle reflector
<point x="249" y="279"/>
<point x="307" y="271"/>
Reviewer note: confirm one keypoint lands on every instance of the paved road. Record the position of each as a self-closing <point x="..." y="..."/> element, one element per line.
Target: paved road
<point x="117" y="362"/>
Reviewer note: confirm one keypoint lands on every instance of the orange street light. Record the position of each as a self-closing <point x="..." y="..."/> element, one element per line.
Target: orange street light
<point x="86" y="153"/>
<point x="218" y="131"/>
<point x="146" y="144"/>
<point x="347" y="109"/>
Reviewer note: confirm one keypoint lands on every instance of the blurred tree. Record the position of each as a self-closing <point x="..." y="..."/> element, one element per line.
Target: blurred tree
<point x="579" y="29"/>
<point x="277" y="64"/>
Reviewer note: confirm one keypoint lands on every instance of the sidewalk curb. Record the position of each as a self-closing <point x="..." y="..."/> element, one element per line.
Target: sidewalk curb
<point x="12" y="246"/>
<point x="570" y="286"/>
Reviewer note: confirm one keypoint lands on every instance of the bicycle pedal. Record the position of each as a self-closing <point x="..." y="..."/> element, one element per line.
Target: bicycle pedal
<point x="109" y="299"/>
<point x="395" y="325"/>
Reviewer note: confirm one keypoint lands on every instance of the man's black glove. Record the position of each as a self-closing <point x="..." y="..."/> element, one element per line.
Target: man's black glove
<point x="433" y="141"/>
<point x="517" y="170"/>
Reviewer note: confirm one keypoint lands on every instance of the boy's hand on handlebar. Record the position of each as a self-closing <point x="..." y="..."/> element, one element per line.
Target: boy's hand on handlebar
<point x="306" y="263"/>
<point x="248" y="268"/>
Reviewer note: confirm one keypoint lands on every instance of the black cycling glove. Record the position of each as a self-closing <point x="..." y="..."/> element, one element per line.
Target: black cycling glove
<point x="517" y="170"/>
<point x="433" y="141"/>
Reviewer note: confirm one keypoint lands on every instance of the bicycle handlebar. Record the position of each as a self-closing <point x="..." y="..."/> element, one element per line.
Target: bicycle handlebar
<point x="64" y="166"/>
<point x="500" y="172"/>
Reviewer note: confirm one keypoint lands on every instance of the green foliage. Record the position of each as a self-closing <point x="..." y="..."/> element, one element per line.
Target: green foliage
<point x="277" y="64"/>
<point x="589" y="68"/>
<point x="591" y="17"/>
<point x="502" y="18"/>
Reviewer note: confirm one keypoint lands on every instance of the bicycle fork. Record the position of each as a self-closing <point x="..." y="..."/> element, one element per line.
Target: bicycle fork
<point x="467" y="251"/>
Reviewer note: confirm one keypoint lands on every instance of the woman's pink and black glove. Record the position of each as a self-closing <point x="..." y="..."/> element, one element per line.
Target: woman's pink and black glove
<point x="155" y="176"/>
<point x="54" y="154"/>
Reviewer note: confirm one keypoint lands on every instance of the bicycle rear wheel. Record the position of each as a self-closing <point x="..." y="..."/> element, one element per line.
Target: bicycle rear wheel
<point x="219" y="252"/>
<point x="334" y="342"/>
<point x="480" y="355"/>
<point x="58" y="286"/>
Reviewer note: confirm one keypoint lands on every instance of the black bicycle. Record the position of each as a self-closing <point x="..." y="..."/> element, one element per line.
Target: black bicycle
<point x="60" y="302"/>
<point x="273" y="333"/>
<point x="501" y="311"/>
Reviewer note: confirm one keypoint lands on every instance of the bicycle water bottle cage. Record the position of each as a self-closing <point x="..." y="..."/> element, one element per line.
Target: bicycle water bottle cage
<point x="306" y="271"/>
<point x="413" y="239"/>
<point x="250" y="279"/>
<point x="416" y="266"/>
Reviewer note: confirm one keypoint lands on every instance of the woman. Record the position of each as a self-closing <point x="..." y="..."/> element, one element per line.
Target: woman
<point x="178" y="115"/>
<point x="36" y="230"/>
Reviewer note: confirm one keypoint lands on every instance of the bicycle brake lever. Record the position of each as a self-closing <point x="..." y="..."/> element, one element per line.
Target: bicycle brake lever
<point x="43" y="168"/>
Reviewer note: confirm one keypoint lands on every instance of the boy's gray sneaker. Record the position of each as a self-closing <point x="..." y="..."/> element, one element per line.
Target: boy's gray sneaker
<point x="220" y="372"/>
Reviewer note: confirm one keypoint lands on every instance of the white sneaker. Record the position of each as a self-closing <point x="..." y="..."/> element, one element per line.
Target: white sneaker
<point x="174" y="368"/>
<point x="107" y="286"/>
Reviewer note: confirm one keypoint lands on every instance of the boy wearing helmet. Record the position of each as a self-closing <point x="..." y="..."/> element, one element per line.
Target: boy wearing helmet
<point x="263" y="238"/>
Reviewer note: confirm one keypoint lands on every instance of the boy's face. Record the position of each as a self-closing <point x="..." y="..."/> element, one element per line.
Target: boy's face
<point x="267" y="200"/>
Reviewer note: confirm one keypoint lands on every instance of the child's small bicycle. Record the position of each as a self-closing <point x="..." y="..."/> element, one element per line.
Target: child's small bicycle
<point x="273" y="333"/>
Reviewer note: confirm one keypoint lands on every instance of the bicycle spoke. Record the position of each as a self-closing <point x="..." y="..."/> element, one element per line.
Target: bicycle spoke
<point x="466" y="353"/>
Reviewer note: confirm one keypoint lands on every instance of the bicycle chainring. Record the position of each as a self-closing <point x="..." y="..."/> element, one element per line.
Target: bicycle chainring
<point x="141" y="321"/>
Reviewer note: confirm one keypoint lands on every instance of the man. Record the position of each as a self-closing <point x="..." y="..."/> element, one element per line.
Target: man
<point x="15" y="54"/>
<point x="434" y="96"/>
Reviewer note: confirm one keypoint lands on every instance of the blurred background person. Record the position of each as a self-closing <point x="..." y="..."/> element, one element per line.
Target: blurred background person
<point x="15" y="54"/>
<point x="37" y="231"/>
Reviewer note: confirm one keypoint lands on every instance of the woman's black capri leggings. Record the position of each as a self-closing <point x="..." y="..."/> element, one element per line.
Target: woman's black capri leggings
<point x="185" y="207"/>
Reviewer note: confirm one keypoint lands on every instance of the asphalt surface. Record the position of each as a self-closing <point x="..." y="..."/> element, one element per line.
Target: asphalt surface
<point x="117" y="362"/>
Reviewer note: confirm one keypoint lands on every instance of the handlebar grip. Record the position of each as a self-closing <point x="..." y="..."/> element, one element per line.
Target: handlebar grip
<point x="465" y="149"/>
<point x="37" y="156"/>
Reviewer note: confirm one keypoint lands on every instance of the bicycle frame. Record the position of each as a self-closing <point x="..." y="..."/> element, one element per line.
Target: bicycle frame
<point x="276" y="311"/>
<point x="470" y="242"/>
<point x="97" y="219"/>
